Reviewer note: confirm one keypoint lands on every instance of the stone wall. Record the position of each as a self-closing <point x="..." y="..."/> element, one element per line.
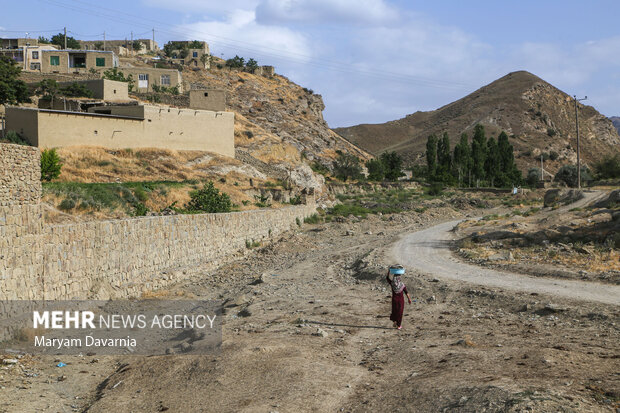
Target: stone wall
<point x="116" y="258"/>
<point x="20" y="174"/>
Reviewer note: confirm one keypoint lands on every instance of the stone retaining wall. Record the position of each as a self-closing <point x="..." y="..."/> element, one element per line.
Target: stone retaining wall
<point x="116" y="258"/>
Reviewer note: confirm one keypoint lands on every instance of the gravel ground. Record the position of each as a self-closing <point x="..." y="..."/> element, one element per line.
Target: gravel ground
<point x="315" y="335"/>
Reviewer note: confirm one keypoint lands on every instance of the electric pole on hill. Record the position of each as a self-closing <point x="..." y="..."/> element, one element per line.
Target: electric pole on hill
<point x="65" y="38"/>
<point x="578" y="149"/>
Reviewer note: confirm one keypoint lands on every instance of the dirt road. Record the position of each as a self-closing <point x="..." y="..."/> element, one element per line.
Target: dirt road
<point x="429" y="252"/>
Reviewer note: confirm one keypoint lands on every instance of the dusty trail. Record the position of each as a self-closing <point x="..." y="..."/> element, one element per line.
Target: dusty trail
<point x="429" y="251"/>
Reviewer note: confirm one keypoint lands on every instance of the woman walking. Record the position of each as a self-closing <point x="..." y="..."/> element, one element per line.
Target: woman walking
<point x="399" y="290"/>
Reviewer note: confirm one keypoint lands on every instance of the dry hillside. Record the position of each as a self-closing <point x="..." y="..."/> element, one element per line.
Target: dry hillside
<point x="538" y="117"/>
<point x="616" y="121"/>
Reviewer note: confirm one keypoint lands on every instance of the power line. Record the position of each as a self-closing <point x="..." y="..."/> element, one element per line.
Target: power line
<point x="31" y="31"/>
<point x="260" y="50"/>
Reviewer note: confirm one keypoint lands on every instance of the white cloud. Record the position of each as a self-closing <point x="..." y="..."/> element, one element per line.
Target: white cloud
<point x="357" y="12"/>
<point x="414" y="62"/>
<point x="191" y="7"/>
<point x="240" y="34"/>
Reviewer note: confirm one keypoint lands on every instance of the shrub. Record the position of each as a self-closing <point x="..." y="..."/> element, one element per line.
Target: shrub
<point x="76" y="90"/>
<point x="553" y="155"/>
<point x="347" y="166"/>
<point x="319" y="168"/>
<point x="375" y="170"/>
<point x="533" y="176"/>
<point x="312" y="219"/>
<point x="115" y="74"/>
<point x="67" y="204"/>
<point x="140" y="209"/>
<point x="608" y="167"/>
<point x="14" y="137"/>
<point x="568" y="175"/>
<point x="50" y="165"/>
<point x="551" y="132"/>
<point x="208" y="199"/>
<point x="434" y="189"/>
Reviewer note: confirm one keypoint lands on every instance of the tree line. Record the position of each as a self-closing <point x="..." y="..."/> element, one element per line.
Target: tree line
<point x="482" y="162"/>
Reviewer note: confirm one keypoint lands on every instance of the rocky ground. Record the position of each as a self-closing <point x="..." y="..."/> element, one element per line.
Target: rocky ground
<point x="307" y="329"/>
<point x="576" y="241"/>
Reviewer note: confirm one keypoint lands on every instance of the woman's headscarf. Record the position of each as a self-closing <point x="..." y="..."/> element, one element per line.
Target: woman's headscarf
<point x="397" y="284"/>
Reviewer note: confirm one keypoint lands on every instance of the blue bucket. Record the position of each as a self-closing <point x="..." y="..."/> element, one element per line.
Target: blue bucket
<point x="397" y="271"/>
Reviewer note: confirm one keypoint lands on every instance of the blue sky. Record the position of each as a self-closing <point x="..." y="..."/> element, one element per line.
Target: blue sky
<point x="372" y="60"/>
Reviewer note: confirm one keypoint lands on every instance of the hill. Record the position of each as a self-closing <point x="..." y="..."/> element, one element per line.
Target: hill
<point x="616" y="121"/>
<point x="538" y="117"/>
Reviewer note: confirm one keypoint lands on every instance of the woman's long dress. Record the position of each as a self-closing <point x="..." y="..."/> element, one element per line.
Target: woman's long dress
<point x="398" y="305"/>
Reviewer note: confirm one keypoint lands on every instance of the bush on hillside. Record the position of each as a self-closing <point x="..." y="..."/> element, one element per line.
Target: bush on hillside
<point x="208" y="199"/>
<point x="608" y="167"/>
<point x="50" y="165"/>
<point x="533" y="176"/>
<point x="568" y="175"/>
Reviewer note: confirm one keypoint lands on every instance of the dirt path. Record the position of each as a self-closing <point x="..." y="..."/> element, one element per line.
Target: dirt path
<point x="429" y="252"/>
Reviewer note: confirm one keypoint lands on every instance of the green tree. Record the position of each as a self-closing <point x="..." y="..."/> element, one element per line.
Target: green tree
<point x="534" y="176"/>
<point x="208" y="199"/>
<point x="12" y="89"/>
<point x="478" y="152"/>
<point x="59" y="40"/>
<point x="347" y="166"/>
<point x="235" y="62"/>
<point x="50" y="165"/>
<point x="568" y="175"/>
<point x="76" y="90"/>
<point x="509" y="173"/>
<point x="462" y="159"/>
<point x="444" y="158"/>
<point x="195" y="44"/>
<point x="375" y="170"/>
<point x="251" y="65"/>
<point x="492" y="163"/>
<point x="608" y="167"/>
<point x="431" y="155"/>
<point x="115" y="74"/>
<point x="206" y="58"/>
<point x="44" y="40"/>
<point x="48" y="89"/>
<point x="98" y="45"/>
<point x="137" y="45"/>
<point x="392" y="165"/>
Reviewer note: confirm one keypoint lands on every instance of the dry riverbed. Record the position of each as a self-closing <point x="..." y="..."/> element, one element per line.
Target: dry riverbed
<point x="314" y="335"/>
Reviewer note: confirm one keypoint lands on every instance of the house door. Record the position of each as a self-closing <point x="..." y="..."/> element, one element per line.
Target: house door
<point x="143" y="81"/>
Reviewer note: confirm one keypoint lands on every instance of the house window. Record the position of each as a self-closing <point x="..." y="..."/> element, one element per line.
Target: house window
<point x="143" y="80"/>
<point x="35" y="54"/>
<point x="206" y="94"/>
<point x="54" y="60"/>
<point x="165" y="80"/>
<point x="194" y="54"/>
<point x="35" y="66"/>
<point x="100" y="61"/>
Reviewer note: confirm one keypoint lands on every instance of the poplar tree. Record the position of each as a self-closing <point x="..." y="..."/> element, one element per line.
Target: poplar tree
<point x="431" y="155"/>
<point x="478" y="152"/>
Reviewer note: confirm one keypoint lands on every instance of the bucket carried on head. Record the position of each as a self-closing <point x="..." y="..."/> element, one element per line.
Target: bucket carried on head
<point x="397" y="269"/>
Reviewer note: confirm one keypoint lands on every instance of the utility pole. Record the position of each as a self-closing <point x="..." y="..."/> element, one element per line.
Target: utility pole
<point x="104" y="41"/>
<point x="153" y="39"/>
<point x="542" y="169"/>
<point x="132" y="43"/>
<point x="65" y="38"/>
<point x="578" y="148"/>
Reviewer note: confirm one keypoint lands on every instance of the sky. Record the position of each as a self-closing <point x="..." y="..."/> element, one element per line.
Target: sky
<point x="371" y="60"/>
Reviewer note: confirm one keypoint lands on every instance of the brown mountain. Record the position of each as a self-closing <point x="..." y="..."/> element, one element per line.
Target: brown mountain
<point x="538" y="117"/>
<point x="616" y="121"/>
